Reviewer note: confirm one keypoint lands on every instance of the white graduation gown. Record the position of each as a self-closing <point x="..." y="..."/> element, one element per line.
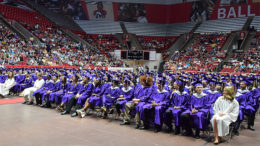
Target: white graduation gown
<point x="27" y="93"/>
<point x="230" y="109"/>
<point x="5" y="87"/>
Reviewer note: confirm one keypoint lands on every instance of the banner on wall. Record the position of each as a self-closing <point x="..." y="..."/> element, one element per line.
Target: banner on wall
<point x="201" y="11"/>
<point x="195" y="11"/>
<point x="71" y="8"/>
<point x="100" y="10"/>
<point x="233" y="9"/>
<point x="131" y="12"/>
<point x="152" y="13"/>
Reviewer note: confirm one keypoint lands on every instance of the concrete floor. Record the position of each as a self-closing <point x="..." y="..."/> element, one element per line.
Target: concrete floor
<point x="24" y="125"/>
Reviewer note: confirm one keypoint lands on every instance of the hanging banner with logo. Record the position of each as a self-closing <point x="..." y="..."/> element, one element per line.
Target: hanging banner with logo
<point x="100" y="10"/>
<point x="226" y="9"/>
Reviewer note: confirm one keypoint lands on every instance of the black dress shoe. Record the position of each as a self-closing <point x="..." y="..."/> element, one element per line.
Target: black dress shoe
<point x="156" y="130"/>
<point x="124" y="123"/>
<point x="169" y="130"/>
<point x="143" y="127"/>
<point x="236" y="133"/>
<point x="64" y="113"/>
<point x="74" y="114"/>
<point x="47" y="106"/>
<point x="197" y="136"/>
<point x="111" y="111"/>
<point x="177" y="131"/>
<point x="137" y="126"/>
<point x="30" y="103"/>
<point x="24" y="102"/>
<point x="187" y="133"/>
<point x="251" y="128"/>
<point x="104" y="116"/>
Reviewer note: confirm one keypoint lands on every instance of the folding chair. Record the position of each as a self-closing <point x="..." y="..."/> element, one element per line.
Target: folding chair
<point x="231" y="128"/>
<point x="209" y="130"/>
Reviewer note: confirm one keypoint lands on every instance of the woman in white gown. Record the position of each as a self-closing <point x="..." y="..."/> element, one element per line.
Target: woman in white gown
<point x="226" y="110"/>
<point x="7" y="85"/>
<point x="27" y="93"/>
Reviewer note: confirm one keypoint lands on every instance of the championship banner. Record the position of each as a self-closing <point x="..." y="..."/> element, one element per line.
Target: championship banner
<point x="131" y="12"/>
<point x="153" y="13"/>
<point x="100" y="10"/>
<point x="72" y="8"/>
<point x="226" y="9"/>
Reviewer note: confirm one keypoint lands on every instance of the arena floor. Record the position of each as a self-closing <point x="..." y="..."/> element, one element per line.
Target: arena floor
<point x="24" y="125"/>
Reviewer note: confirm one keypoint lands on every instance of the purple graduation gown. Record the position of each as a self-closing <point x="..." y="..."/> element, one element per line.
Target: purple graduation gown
<point x="85" y="91"/>
<point x="28" y="82"/>
<point x="48" y="84"/>
<point x="52" y="88"/>
<point x="142" y="93"/>
<point x="74" y="88"/>
<point x="95" y="100"/>
<point x="109" y="101"/>
<point x="3" y="78"/>
<point x="161" y="98"/>
<point x="256" y="97"/>
<point x="210" y="99"/>
<point x="128" y="95"/>
<point x="246" y="103"/>
<point x="19" y="78"/>
<point x="199" y="118"/>
<point x="180" y="100"/>
<point x="56" y="96"/>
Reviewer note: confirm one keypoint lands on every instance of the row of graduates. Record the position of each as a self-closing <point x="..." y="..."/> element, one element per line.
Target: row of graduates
<point x="150" y="101"/>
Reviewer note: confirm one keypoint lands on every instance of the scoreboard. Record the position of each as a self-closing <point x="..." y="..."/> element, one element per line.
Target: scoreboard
<point x="135" y="54"/>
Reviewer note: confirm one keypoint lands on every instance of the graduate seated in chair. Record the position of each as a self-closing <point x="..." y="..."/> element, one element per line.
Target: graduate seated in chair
<point x="47" y="85"/>
<point x="60" y="90"/>
<point x="226" y="110"/>
<point x="3" y="76"/>
<point x="110" y="97"/>
<point x="19" y="79"/>
<point x="126" y="95"/>
<point x="94" y="100"/>
<point x="80" y="98"/>
<point x="255" y="96"/>
<point x="141" y="95"/>
<point x="212" y="96"/>
<point x="70" y="92"/>
<point x="246" y="107"/>
<point x="155" y="107"/>
<point x="7" y="85"/>
<point x="195" y="116"/>
<point x="28" y="92"/>
<point x="46" y="95"/>
<point x="178" y="103"/>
